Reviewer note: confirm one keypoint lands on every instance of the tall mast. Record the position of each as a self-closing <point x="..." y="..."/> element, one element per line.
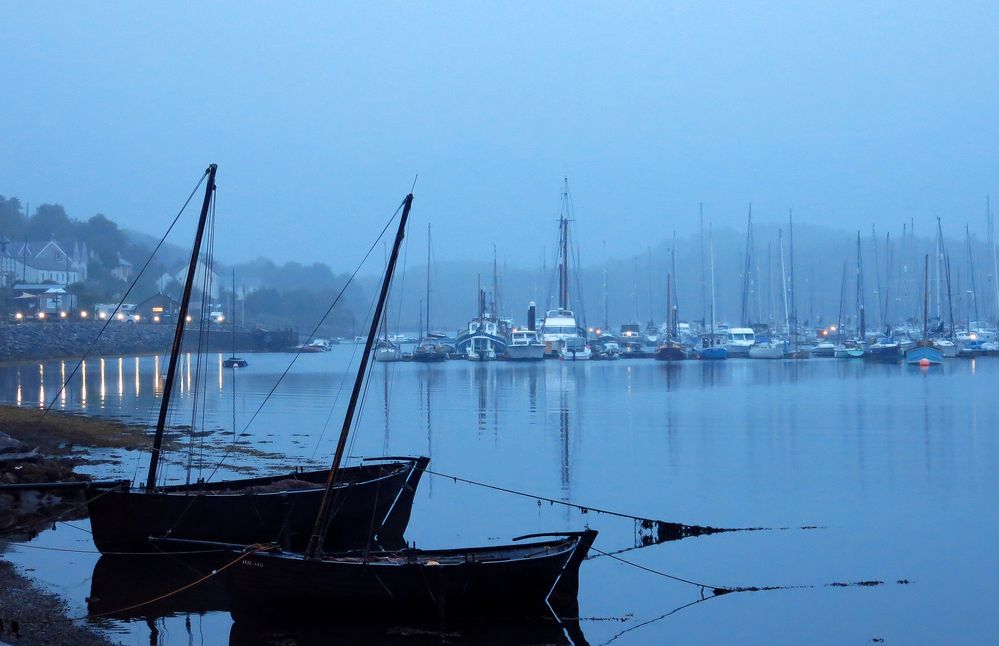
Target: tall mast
<point x="232" y="313"/>
<point x="992" y="246"/>
<point x="860" y="292"/>
<point x="971" y="270"/>
<point x="877" y="272"/>
<point x="926" y="295"/>
<point x="674" y="306"/>
<point x="794" y="305"/>
<point x="322" y="520"/>
<point x="711" y="245"/>
<point x="704" y="299"/>
<point x="746" y="279"/>
<point x="651" y="318"/>
<point x="783" y="282"/>
<point x="950" y="302"/>
<point x="842" y="302"/>
<point x="178" y="335"/>
<point x="495" y="308"/>
<point x="427" y="335"/>
<point x="936" y="267"/>
<point x="606" y="324"/>
<point x="563" y="275"/>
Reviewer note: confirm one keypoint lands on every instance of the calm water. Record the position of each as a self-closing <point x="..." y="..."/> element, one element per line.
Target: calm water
<point x="896" y="465"/>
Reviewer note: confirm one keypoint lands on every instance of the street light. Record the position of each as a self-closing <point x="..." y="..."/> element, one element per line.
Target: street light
<point x="83" y="314"/>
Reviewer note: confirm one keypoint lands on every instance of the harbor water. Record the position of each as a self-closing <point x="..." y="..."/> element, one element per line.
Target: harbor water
<point x="848" y="472"/>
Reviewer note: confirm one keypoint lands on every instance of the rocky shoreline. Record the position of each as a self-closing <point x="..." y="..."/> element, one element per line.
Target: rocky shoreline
<point x="36" y="449"/>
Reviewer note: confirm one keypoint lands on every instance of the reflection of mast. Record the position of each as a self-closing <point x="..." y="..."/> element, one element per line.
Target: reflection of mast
<point x="385" y="393"/>
<point x="563" y="428"/>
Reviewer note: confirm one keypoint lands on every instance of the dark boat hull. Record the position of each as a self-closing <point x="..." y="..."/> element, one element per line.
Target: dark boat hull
<point x="888" y="354"/>
<point x="670" y="352"/>
<point x="521" y="579"/>
<point x="373" y="504"/>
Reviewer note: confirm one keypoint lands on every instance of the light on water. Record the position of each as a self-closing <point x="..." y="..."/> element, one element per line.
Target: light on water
<point x="895" y="466"/>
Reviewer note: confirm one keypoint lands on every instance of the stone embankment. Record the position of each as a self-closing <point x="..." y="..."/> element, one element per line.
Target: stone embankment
<point x="65" y="340"/>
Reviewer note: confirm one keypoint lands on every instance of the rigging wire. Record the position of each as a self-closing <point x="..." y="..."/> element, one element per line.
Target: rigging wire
<point x="312" y="334"/>
<point x="111" y="317"/>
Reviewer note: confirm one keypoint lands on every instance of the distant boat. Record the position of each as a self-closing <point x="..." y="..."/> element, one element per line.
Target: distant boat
<point x="824" y="349"/>
<point x="233" y="361"/>
<point x="525" y="346"/>
<point x="712" y="346"/>
<point x="385" y="350"/>
<point x="885" y="350"/>
<point x="925" y="353"/>
<point x="772" y="349"/>
<point x="431" y="348"/>
<point x="670" y="347"/>
<point x="739" y="341"/>
<point x="561" y="331"/>
<point x="574" y="348"/>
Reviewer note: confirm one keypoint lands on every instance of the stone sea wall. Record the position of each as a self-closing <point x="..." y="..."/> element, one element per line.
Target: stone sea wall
<point x="61" y="340"/>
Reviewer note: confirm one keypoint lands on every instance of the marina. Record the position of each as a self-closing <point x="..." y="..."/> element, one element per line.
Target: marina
<point x="740" y="443"/>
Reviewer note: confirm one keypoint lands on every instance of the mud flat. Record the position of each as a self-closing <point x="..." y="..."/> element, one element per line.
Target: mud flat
<point x="36" y="448"/>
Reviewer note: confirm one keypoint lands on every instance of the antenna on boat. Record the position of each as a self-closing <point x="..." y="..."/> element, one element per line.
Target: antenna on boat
<point x="178" y="336"/>
<point x="322" y="520"/>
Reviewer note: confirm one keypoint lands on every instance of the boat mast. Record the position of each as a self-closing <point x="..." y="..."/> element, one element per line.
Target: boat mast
<point x="233" y="313"/>
<point x="842" y="301"/>
<point x="495" y="309"/>
<point x="322" y="520"/>
<point x="794" y="305"/>
<point x="971" y="270"/>
<point x="926" y="295"/>
<point x="860" y="293"/>
<point x="606" y="324"/>
<point x="704" y="299"/>
<point x="992" y="245"/>
<point x="674" y="306"/>
<point x="783" y="282"/>
<point x="563" y="270"/>
<point x="747" y="269"/>
<point x="427" y="335"/>
<point x="178" y="335"/>
<point x="877" y="271"/>
<point x="711" y="246"/>
<point x="950" y="302"/>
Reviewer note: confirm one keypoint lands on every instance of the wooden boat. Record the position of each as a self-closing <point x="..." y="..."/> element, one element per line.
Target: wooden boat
<point x="465" y="582"/>
<point x="278" y="508"/>
<point x="670" y="348"/>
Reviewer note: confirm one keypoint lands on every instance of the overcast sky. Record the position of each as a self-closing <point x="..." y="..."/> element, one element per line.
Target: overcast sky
<point x="319" y="116"/>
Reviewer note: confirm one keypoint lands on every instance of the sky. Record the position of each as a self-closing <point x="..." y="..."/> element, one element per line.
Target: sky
<point x="320" y="115"/>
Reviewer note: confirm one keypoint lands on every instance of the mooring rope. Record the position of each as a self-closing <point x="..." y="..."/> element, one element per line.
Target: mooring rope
<point x="247" y="551"/>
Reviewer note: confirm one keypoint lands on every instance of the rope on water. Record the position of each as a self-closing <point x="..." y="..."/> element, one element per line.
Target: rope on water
<point x="647" y="522"/>
<point x="248" y="551"/>
<point x="716" y="589"/>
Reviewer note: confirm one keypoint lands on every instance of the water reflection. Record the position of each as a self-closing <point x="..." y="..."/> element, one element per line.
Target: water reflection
<point x="161" y="595"/>
<point x="83" y="384"/>
<point x="41" y="385"/>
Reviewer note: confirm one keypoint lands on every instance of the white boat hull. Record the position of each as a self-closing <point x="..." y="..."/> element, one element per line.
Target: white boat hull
<point x="766" y="352"/>
<point x="534" y="352"/>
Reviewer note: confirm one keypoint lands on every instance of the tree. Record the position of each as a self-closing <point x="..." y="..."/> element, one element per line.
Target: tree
<point x="12" y="220"/>
<point x="48" y="221"/>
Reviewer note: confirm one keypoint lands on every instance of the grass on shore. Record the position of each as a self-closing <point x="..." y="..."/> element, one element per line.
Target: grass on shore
<point x="57" y="433"/>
